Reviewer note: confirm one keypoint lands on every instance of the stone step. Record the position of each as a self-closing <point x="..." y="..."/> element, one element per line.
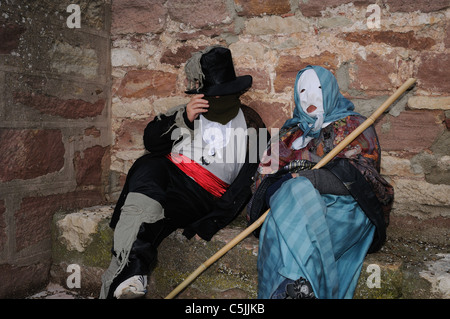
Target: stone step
<point x="82" y="240"/>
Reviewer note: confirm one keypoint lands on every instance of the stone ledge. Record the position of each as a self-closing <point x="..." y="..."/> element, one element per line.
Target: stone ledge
<point x="407" y="267"/>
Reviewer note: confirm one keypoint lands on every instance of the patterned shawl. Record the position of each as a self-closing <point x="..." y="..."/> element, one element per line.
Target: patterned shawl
<point x="363" y="152"/>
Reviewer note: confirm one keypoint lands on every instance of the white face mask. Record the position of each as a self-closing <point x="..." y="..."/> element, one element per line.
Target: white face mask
<point x="310" y="93"/>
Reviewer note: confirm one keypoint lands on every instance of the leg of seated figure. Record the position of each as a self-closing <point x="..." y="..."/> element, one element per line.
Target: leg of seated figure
<point x="134" y="251"/>
<point x="131" y="255"/>
<point x="132" y="280"/>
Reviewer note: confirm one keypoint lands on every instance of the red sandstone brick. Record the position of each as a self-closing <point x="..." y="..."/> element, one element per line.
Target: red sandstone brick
<point x="372" y="73"/>
<point x="392" y="38"/>
<point x="28" y="153"/>
<point x="52" y="105"/>
<point x="261" y="78"/>
<point x="138" y="16"/>
<point x="432" y="73"/>
<point x="267" y="110"/>
<point x="256" y="7"/>
<point x="199" y="13"/>
<point x="144" y="83"/>
<point x="180" y="56"/>
<point x="130" y="134"/>
<point x="33" y="219"/>
<point x="314" y="8"/>
<point x="411" y="131"/>
<point x="417" y="5"/>
<point x="9" y="37"/>
<point x="19" y="281"/>
<point x="289" y="65"/>
<point x="88" y="165"/>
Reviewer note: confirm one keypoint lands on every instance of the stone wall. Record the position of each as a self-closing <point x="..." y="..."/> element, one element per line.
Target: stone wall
<point x="54" y="127"/>
<point x="272" y="40"/>
<point x="74" y="101"/>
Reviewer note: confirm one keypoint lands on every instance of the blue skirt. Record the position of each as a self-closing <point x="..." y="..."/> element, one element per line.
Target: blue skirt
<point x="323" y="238"/>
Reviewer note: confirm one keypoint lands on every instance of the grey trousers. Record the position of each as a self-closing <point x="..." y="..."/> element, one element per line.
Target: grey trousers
<point x="138" y="209"/>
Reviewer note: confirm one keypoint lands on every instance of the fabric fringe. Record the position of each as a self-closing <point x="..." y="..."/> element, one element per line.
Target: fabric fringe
<point x="193" y="69"/>
<point x="137" y="209"/>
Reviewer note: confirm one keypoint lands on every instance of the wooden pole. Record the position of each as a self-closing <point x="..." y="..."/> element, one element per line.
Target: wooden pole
<point x="346" y="141"/>
<point x="370" y="120"/>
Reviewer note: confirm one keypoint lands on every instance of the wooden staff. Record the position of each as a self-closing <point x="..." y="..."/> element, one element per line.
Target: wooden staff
<point x="370" y="120"/>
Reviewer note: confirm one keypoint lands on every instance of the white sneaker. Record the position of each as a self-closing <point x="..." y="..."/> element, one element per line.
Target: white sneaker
<point x="131" y="288"/>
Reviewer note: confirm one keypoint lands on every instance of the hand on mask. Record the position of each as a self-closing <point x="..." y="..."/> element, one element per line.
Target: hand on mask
<point x="196" y="106"/>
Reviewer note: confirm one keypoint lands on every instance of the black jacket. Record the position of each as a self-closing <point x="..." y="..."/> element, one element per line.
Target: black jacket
<point x="158" y="141"/>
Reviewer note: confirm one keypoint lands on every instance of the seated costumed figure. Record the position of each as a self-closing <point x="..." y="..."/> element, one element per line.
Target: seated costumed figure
<point x="322" y="222"/>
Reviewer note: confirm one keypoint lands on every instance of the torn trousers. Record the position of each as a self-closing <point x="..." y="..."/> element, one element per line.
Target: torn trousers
<point x="161" y="199"/>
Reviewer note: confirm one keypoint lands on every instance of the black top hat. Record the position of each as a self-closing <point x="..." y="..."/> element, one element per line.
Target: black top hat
<point x="217" y="76"/>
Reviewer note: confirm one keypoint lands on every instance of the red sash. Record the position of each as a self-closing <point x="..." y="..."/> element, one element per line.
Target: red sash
<point x="201" y="175"/>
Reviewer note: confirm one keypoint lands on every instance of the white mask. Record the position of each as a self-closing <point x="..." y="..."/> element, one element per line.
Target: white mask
<point x="309" y="91"/>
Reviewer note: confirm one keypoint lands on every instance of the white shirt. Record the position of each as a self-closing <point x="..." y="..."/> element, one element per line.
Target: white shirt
<point x="221" y="149"/>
